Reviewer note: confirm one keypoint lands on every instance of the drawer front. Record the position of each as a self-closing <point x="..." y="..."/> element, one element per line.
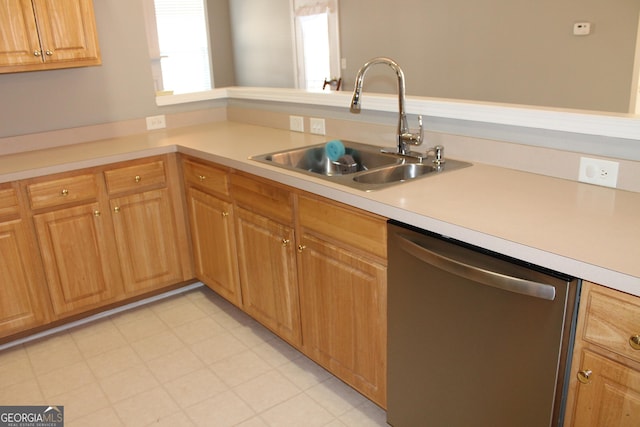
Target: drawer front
<point x="136" y="177"/>
<point x="8" y="203"/>
<point x="270" y="200"/>
<point x="62" y="191"/>
<point x="612" y="321"/>
<point x="208" y="177"/>
<point x="347" y="225"/>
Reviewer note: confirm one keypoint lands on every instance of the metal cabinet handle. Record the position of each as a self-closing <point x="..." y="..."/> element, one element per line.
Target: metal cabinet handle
<point x="116" y="209"/>
<point x="285" y="242"/>
<point x="480" y="275"/>
<point x="138" y="178"/>
<point x="97" y="213"/>
<point x="634" y="342"/>
<point x="585" y="376"/>
<point x="37" y="53"/>
<point x="301" y="248"/>
<point x="225" y="214"/>
<point x="64" y="192"/>
<point x="202" y="177"/>
<point x="48" y="52"/>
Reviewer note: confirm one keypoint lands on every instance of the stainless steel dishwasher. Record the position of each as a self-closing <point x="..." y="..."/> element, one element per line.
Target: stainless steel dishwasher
<point x="474" y="338"/>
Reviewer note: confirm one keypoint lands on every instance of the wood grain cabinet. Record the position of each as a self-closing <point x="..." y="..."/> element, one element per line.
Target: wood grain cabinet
<point x="605" y="373"/>
<point x="24" y="302"/>
<point x="266" y="254"/>
<point x="150" y="236"/>
<point x="212" y="217"/>
<point x="76" y="242"/>
<point x="47" y="34"/>
<point x="342" y="279"/>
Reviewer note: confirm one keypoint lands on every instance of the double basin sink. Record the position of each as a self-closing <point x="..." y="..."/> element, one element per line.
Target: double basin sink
<point x="363" y="166"/>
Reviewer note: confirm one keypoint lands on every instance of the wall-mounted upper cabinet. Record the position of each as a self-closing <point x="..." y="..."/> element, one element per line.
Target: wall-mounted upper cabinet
<point x="47" y="34"/>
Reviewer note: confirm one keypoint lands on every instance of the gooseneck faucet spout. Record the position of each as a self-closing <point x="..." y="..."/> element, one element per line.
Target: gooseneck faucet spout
<point x="405" y="137"/>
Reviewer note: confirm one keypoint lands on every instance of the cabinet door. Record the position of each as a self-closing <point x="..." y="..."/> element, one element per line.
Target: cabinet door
<point x="22" y="303"/>
<point x="214" y="245"/>
<point x="267" y="262"/>
<point x="67" y="30"/>
<point x="77" y="252"/>
<point x="146" y="238"/>
<point x="343" y="305"/>
<point x="19" y="41"/>
<point x="611" y="396"/>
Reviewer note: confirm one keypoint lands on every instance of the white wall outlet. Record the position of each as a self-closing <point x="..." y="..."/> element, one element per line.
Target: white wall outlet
<point x="296" y="123"/>
<point x="582" y="28"/>
<point x="598" y="171"/>
<point x="156" y="122"/>
<point x="316" y="126"/>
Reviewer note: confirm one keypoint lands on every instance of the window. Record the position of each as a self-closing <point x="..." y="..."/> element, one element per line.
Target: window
<point x="178" y="44"/>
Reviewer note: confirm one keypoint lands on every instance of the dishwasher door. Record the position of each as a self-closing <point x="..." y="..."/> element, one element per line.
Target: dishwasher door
<point x="474" y="339"/>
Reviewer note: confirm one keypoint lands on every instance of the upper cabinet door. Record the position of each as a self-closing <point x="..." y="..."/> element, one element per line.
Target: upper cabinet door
<point x="47" y="34"/>
<point x="19" y="43"/>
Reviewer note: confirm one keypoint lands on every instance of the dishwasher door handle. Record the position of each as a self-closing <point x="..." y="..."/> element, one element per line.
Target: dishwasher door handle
<point x="477" y="274"/>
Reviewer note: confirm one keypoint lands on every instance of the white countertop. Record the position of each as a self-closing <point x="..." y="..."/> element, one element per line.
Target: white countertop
<point x="582" y="230"/>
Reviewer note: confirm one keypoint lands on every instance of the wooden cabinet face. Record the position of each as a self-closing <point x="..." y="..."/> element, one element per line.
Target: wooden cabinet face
<point x="343" y="305"/>
<point x="267" y="262"/>
<point x="18" y="34"/>
<point x="77" y="253"/>
<point x="146" y="236"/>
<point x="214" y="246"/>
<point x="611" y="398"/>
<point x="21" y="300"/>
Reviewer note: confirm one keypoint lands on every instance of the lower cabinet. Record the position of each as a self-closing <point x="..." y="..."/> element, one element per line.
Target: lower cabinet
<point x="605" y="374"/>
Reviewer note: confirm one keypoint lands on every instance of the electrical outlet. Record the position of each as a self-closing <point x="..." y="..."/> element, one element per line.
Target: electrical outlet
<point x="156" y="122"/>
<point x="598" y="171"/>
<point x="296" y="123"/>
<point x="317" y="126"/>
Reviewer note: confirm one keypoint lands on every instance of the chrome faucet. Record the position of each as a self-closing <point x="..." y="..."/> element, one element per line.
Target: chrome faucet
<point x="405" y="137"/>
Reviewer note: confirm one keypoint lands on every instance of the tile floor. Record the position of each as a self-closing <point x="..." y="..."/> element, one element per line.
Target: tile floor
<point x="189" y="360"/>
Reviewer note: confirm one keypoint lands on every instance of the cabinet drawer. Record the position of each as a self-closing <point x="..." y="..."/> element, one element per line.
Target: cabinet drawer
<point x="8" y="203"/>
<point x="62" y="191"/>
<point x="270" y="200"/>
<point x="612" y="319"/>
<point x="136" y="177"/>
<point x="347" y="225"/>
<point x="207" y="177"/>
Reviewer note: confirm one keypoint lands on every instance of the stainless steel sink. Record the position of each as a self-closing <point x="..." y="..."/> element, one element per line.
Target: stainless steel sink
<point x="363" y="167"/>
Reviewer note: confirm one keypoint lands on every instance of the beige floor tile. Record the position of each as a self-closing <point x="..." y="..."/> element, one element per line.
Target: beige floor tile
<point x="276" y="352"/>
<point x="218" y="347"/>
<point x="66" y="379"/>
<point x="81" y="402"/>
<point x="266" y="390"/>
<point x="127" y="383"/>
<point x="230" y="317"/>
<point x="207" y="301"/>
<point x="105" y="417"/>
<point x="198" y="330"/>
<point x="195" y="387"/>
<point x="177" y="419"/>
<point x="114" y="361"/>
<point x="145" y="408"/>
<point x="304" y="372"/>
<point x="252" y="334"/>
<point x="53" y="353"/>
<point x="178" y="314"/>
<point x="174" y="365"/>
<point x="99" y="338"/>
<point x="138" y="324"/>
<point x="366" y="415"/>
<point x="253" y="422"/>
<point x="13" y="354"/>
<point x="335" y="396"/>
<point x="300" y="410"/>
<point x="240" y="368"/>
<point x="23" y="393"/>
<point x="15" y="371"/>
<point x="222" y="410"/>
<point x="160" y="344"/>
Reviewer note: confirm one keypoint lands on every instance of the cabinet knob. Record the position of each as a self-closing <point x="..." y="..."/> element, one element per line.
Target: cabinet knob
<point x="301" y="248"/>
<point x="138" y="178"/>
<point x="64" y="192"/>
<point x="48" y="52"/>
<point x="585" y="376"/>
<point x="285" y="242"/>
<point x="225" y="214"/>
<point x="96" y="213"/>
<point x="202" y="177"/>
<point x="116" y="209"/>
<point x="37" y="53"/>
<point x="634" y="342"/>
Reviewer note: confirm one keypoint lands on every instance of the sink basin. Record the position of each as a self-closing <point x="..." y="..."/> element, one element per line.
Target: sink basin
<point x="396" y="173"/>
<point x="314" y="159"/>
<point x="363" y="167"/>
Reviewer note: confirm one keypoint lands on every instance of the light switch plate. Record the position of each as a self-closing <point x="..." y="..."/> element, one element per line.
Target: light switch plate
<point x="296" y="123"/>
<point x="316" y="126"/>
